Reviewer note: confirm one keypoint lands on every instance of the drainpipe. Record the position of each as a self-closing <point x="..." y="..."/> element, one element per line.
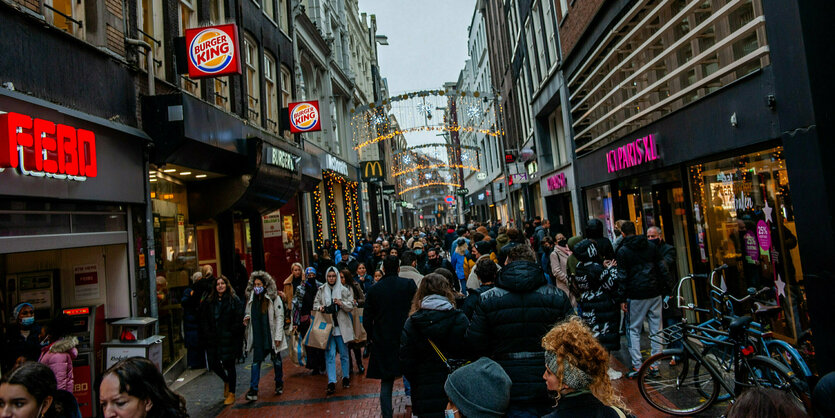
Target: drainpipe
<point x="149" y="54"/>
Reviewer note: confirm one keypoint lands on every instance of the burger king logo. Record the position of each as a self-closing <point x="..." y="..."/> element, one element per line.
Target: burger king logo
<point x="304" y="116"/>
<point x="212" y="51"/>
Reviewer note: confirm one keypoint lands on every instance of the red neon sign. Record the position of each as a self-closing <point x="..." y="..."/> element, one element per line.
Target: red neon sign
<point x="39" y="146"/>
<point x="77" y="311"/>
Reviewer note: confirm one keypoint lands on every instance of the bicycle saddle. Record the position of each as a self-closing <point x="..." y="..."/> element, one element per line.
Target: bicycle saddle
<point x="740" y="323"/>
<point x="763" y="309"/>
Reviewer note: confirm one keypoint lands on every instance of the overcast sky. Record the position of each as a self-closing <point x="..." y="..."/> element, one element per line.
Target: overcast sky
<point x="427" y="41"/>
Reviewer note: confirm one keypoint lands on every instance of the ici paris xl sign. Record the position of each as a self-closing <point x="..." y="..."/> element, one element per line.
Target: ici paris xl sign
<point x="633" y="154"/>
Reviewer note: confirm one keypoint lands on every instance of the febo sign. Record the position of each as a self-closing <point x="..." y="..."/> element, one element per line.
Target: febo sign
<point x="635" y="153"/>
<point x="304" y="117"/>
<point x="213" y="51"/>
<point x="556" y="182"/>
<point x="40" y="148"/>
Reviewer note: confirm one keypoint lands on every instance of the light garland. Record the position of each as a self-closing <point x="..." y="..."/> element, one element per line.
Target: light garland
<point x="317" y="200"/>
<point x="430" y="184"/>
<point x="460" y="129"/>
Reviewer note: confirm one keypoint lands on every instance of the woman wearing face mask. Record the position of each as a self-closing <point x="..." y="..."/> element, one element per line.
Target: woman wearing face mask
<point x="303" y="297"/>
<point x="359" y="302"/>
<point x="335" y="299"/>
<point x="264" y="335"/>
<point x="292" y="281"/>
<point x="28" y="391"/>
<point x="134" y="388"/>
<point x="23" y="343"/>
<point x="221" y="332"/>
<point x="559" y="265"/>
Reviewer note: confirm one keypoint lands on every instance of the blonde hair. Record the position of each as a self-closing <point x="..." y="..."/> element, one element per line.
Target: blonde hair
<point x="572" y="341"/>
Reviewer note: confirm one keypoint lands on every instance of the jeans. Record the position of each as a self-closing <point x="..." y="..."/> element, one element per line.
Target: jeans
<point x="407" y="387"/>
<point x="638" y="310"/>
<point x="386" y="388"/>
<point x="256" y="372"/>
<point x="334" y="343"/>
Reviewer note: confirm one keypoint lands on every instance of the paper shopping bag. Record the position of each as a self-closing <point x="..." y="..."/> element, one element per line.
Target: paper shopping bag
<point x="320" y="330"/>
<point x="298" y="354"/>
<point x="359" y="331"/>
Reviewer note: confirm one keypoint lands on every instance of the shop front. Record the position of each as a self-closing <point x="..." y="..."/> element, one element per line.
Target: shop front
<point x="335" y="203"/>
<point x="557" y="188"/>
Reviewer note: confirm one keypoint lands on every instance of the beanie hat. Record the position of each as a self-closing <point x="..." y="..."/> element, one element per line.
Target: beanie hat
<point x="572" y="376"/>
<point x="309" y="270"/>
<point x="479" y="389"/>
<point x="19" y="308"/>
<point x="483" y="247"/>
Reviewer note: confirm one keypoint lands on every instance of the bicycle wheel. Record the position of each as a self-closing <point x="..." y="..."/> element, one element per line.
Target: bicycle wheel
<point x="676" y="389"/>
<point x="721" y="357"/>
<point x="766" y="372"/>
<point x="789" y="357"/>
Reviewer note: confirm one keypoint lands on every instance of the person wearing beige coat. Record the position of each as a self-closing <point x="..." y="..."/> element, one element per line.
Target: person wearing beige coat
<point x="559" y="269"/>
<point x="337" y="300"/>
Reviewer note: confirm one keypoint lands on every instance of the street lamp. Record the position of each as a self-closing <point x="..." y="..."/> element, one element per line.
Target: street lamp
<point x="382" y="39"/>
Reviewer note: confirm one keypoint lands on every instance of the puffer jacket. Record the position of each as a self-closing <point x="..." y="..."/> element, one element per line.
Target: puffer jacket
<point x="641" y="268"/>
<point x="421" y="365"/>
<point x="509" y="323"/>
<point x="598" y="295"/>
<point x="59" y="356"/>
<point x="222" y="336"/>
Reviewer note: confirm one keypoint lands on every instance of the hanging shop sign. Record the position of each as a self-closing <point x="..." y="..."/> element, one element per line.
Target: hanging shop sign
<point x="462" y="191"/>
<point x="213" y="51"/>
<point x="449" y="199"/>
<point x="481" y="176"/>
<point x="556" y="182"/>
<point x="388" y="189"/>
<point x="633" y="154"/>
<point x="280" y="158"/>
<point x="372" y="171"/>
<point x="305" y="117"/>
<point x="40" y="148"/>
<point x="336" y="165"/>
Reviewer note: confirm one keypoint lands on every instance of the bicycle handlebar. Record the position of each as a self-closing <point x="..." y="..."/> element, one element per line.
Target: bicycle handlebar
<point x="691" y="306"/>
<point x="750" y="296"/>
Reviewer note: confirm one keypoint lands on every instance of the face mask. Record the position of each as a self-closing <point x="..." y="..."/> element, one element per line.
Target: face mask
<point x="562" y="242"/>
<point x="655" y="241"/>
<point x="27" y="322"/>
<point x="449" y="413"/>
<point x="418" y="252"/>
<point x="258" y="290"/>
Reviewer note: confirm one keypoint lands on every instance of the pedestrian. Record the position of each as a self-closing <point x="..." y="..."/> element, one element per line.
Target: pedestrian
<point x="509" y="322"/>
<point x="764" y="402"/>
<point x="358" y="296"/>
<point x="334" y="299"/>
<point x="643" y="274"/>
<point x="576" y="371"/>
<point x="478" y="389"/>
<point x="435" y="261"/>
<point x="458" y="258"/>
<point x="539" y="234"/>
<point x="559" y="265"/>
<point x="134" y="387"/>
<point x="303" y="299"/>
<point x="264" y="335"/>
<point x="594" y="231"/>
<point x="292" y="281"/>
<point x="670" y="313"/>
<point x="60" y="352"/>
<point x="546" y="246"/>
<point x="486" y="271"/>
<point x="362" y="278"/>
<point x="195" y="354"/>
<point x="23" y="341"/>
<point x="29" y="391"/>
<point x="420" y="254"/>
<point x="408" y="267"/>
<point x="433" y="324"/>
<point x="481" y="250"/>
<point x="221" y="317"/>
<point x="599" y="295"/>
<point x="386" y="309"/>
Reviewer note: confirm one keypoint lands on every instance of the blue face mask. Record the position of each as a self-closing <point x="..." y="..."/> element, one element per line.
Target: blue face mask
<point x="258" y="290"/>
<point x="27" y="322"/>
<point x="418" y="252"/>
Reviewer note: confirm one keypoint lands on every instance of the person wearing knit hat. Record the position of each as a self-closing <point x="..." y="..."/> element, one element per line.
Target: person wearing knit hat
<point x="479" y="389"/>
<point x="23" y="343"/>
<point x="576" y="368"/>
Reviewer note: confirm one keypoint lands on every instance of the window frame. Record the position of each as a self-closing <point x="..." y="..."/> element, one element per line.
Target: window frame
<point x="271" y="94"/>
<point x="253" y="79"/>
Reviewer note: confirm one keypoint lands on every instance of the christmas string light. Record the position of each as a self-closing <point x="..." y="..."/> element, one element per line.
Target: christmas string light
<point x="317" y="199"/>
<point x="430" y="184"/>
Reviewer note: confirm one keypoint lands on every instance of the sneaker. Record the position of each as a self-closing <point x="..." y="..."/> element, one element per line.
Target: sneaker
<point x="633" y="373"/>
<point x="279" y="389"/>
<point x="653" y="371"/>
<point x="673" y="362"/>
<point x="252" y="395"/>
<point x="346" y="383"/>
<point x="614" y="374"/>
<point x="331" y="388"/>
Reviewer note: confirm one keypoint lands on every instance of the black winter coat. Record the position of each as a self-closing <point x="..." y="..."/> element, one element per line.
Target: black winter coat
<point x="599" y="295"/>
<point x="583" y="405"/>
<point x="473" y="298"/>
<point x="387" y="306"/>
<point x="641" y="268"/>
<point x="509" y="323"/>
<point x="422" y="366"/>
<point x="222" y="337"/>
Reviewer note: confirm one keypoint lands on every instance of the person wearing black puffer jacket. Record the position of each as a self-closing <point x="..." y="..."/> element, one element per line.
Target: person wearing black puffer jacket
<point x="643" y="273"/>
<point x="509" y="323"/>
<point x="433" y="318"/>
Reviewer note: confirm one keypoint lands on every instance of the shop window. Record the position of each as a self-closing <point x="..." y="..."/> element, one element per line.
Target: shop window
<point x="253" y="84"/>
<point x="67" y="15"/>
<point x="188" y="19"/>
<point x="270" y="93"/>
<point x="745" y="219"/>
<point x="599" y="206"/>
<point x="150" y="26"/>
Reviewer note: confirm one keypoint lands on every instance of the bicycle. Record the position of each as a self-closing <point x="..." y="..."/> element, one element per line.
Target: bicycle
<point x="677" y="388"/>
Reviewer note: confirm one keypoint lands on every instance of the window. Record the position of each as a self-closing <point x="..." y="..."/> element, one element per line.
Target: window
<point x="149" y="22"/>
<point x="270" y="93"/>
<point x="217" y="11"/>
<point x="542" y="58"/>
<point x="253" y="90"/>
<point x="269" y="9"/>
<point x="530" y="40"/>
<point x="557" y="134"/>
<point x="188" y="19"/>
<point x="222" y="93"/>
<point x="283" y="16"/>
<point x="286" y="85"/>
<point x="67" y="15"/>
<point x="550" y="30"/>
<point x="563" y="9"/>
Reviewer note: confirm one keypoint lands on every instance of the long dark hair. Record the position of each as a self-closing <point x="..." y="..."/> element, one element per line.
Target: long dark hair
<point x="432" y="284"/>
<point x="37" y="378"/>
<point x="228" y="293"/>
<point x="140" y="378"/>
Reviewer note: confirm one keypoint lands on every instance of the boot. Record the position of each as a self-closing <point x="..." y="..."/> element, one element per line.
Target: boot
<point x="230" y="399"/>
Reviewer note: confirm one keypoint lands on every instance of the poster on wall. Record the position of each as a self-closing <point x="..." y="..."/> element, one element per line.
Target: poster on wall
<point x="288" y="231"/>
<point x="272" y="225"/>
<point x="181" y="231"/>
<point x="86" y="278"/>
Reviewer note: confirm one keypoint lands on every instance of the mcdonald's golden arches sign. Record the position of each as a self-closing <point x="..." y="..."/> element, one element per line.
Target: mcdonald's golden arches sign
<point x="372" y="171"/>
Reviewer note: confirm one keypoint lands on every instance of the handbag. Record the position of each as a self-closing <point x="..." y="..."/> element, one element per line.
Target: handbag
<point x="298" y="354"/>
<point x="451" y="364"/>
<point x="319" y="331"/>
<point x="359" y="331"/>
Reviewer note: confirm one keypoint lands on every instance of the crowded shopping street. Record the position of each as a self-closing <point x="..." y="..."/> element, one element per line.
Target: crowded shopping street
<point x="376" y="208"/>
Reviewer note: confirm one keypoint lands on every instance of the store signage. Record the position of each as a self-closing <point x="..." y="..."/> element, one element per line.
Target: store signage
<point x="556" y="182"/>
<point x="635" y="153"/>
<point x="449" y="199"/>
<point x="532" y="167"/>
<point x="213" y="51"/>
<point x="304" y="117"/>
<point x="40" y="148"/>
<point x="335" y="164"/>
<point x="280" y="158"/>
<point x="481" y="176"/>
<point x="463" y="191"/>
<point x="763" y="237"/>
<point x="372" y="171"/>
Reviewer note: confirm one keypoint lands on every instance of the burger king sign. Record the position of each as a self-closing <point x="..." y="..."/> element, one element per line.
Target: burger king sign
<point x="213" y="51"/>
<point x="305" y="117"/>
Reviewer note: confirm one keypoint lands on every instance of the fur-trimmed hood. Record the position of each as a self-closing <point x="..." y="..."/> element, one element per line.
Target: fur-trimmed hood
<point x="269" y="284"/>
<point x="63" y="345"/>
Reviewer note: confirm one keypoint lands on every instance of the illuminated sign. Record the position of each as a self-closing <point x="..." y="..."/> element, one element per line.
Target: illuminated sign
<point x="372" y="171"/>
<point x="77" y="311"/>
<point x="40" y="148"/>
<point x="304" y="117"/>
<point x="336" y="165"/>
<point x="481" y="176"/>
<point x="556" y="182"/>
<point x="633" y="154"/>
<point x="213" y="51"/>
<point x="281" y="158"/>
<point x="449" y="199"/>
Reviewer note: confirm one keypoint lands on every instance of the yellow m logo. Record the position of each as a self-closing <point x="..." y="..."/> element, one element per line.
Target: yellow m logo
<point x="373" y="169"/>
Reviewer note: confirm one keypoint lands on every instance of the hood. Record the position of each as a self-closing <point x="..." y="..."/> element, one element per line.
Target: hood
<point x="594" y="228"/>
<point x="269" y="284"/>
<point x="434" y="324"/>
<point x="63" y="345"/>
<point x="436" y="303"/>
<point x="521" y="276"/>
<point x="586" y="250"/>
<point x="635" y="242"/>
<point x="573" y="241"/>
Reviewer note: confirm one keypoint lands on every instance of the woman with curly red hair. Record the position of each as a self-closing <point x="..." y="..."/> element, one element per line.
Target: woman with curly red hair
<point x="576" y="368"/>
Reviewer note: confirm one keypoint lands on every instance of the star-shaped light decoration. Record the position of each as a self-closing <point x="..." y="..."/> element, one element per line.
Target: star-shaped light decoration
<point x="781" y="286"/>
<point x="473" y="111"/>
<point x="407" y="159"/>
<point x="427" y="176"/>
<point x="767" y="211"/>
<point x="377" y="119"/>
<point x="447" y="177"/>
<point x="424" y="108"/>
<point x="465" y="156"/>
<point x="408" y="182"/>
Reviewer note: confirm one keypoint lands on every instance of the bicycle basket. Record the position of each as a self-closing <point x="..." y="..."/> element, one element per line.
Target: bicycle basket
<point x="668" y="335"/>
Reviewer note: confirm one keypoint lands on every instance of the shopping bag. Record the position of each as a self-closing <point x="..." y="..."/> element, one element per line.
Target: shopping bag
<point x="359" y="331"/>
<point x="298" y="354"/>
<point x="320" y="330"/>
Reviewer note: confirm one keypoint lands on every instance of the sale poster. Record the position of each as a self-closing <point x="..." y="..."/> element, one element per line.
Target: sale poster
<point x="86" y="279"/>
<point x="272" y="225"/>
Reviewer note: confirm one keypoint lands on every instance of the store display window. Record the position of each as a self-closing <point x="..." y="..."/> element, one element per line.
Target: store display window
<point x="744" y="218"/>
<point x="599" y="205"/>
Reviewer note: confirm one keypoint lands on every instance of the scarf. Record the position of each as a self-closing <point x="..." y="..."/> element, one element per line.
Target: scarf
<point x="436" y="303"/>
<point x="330" y="291"/>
